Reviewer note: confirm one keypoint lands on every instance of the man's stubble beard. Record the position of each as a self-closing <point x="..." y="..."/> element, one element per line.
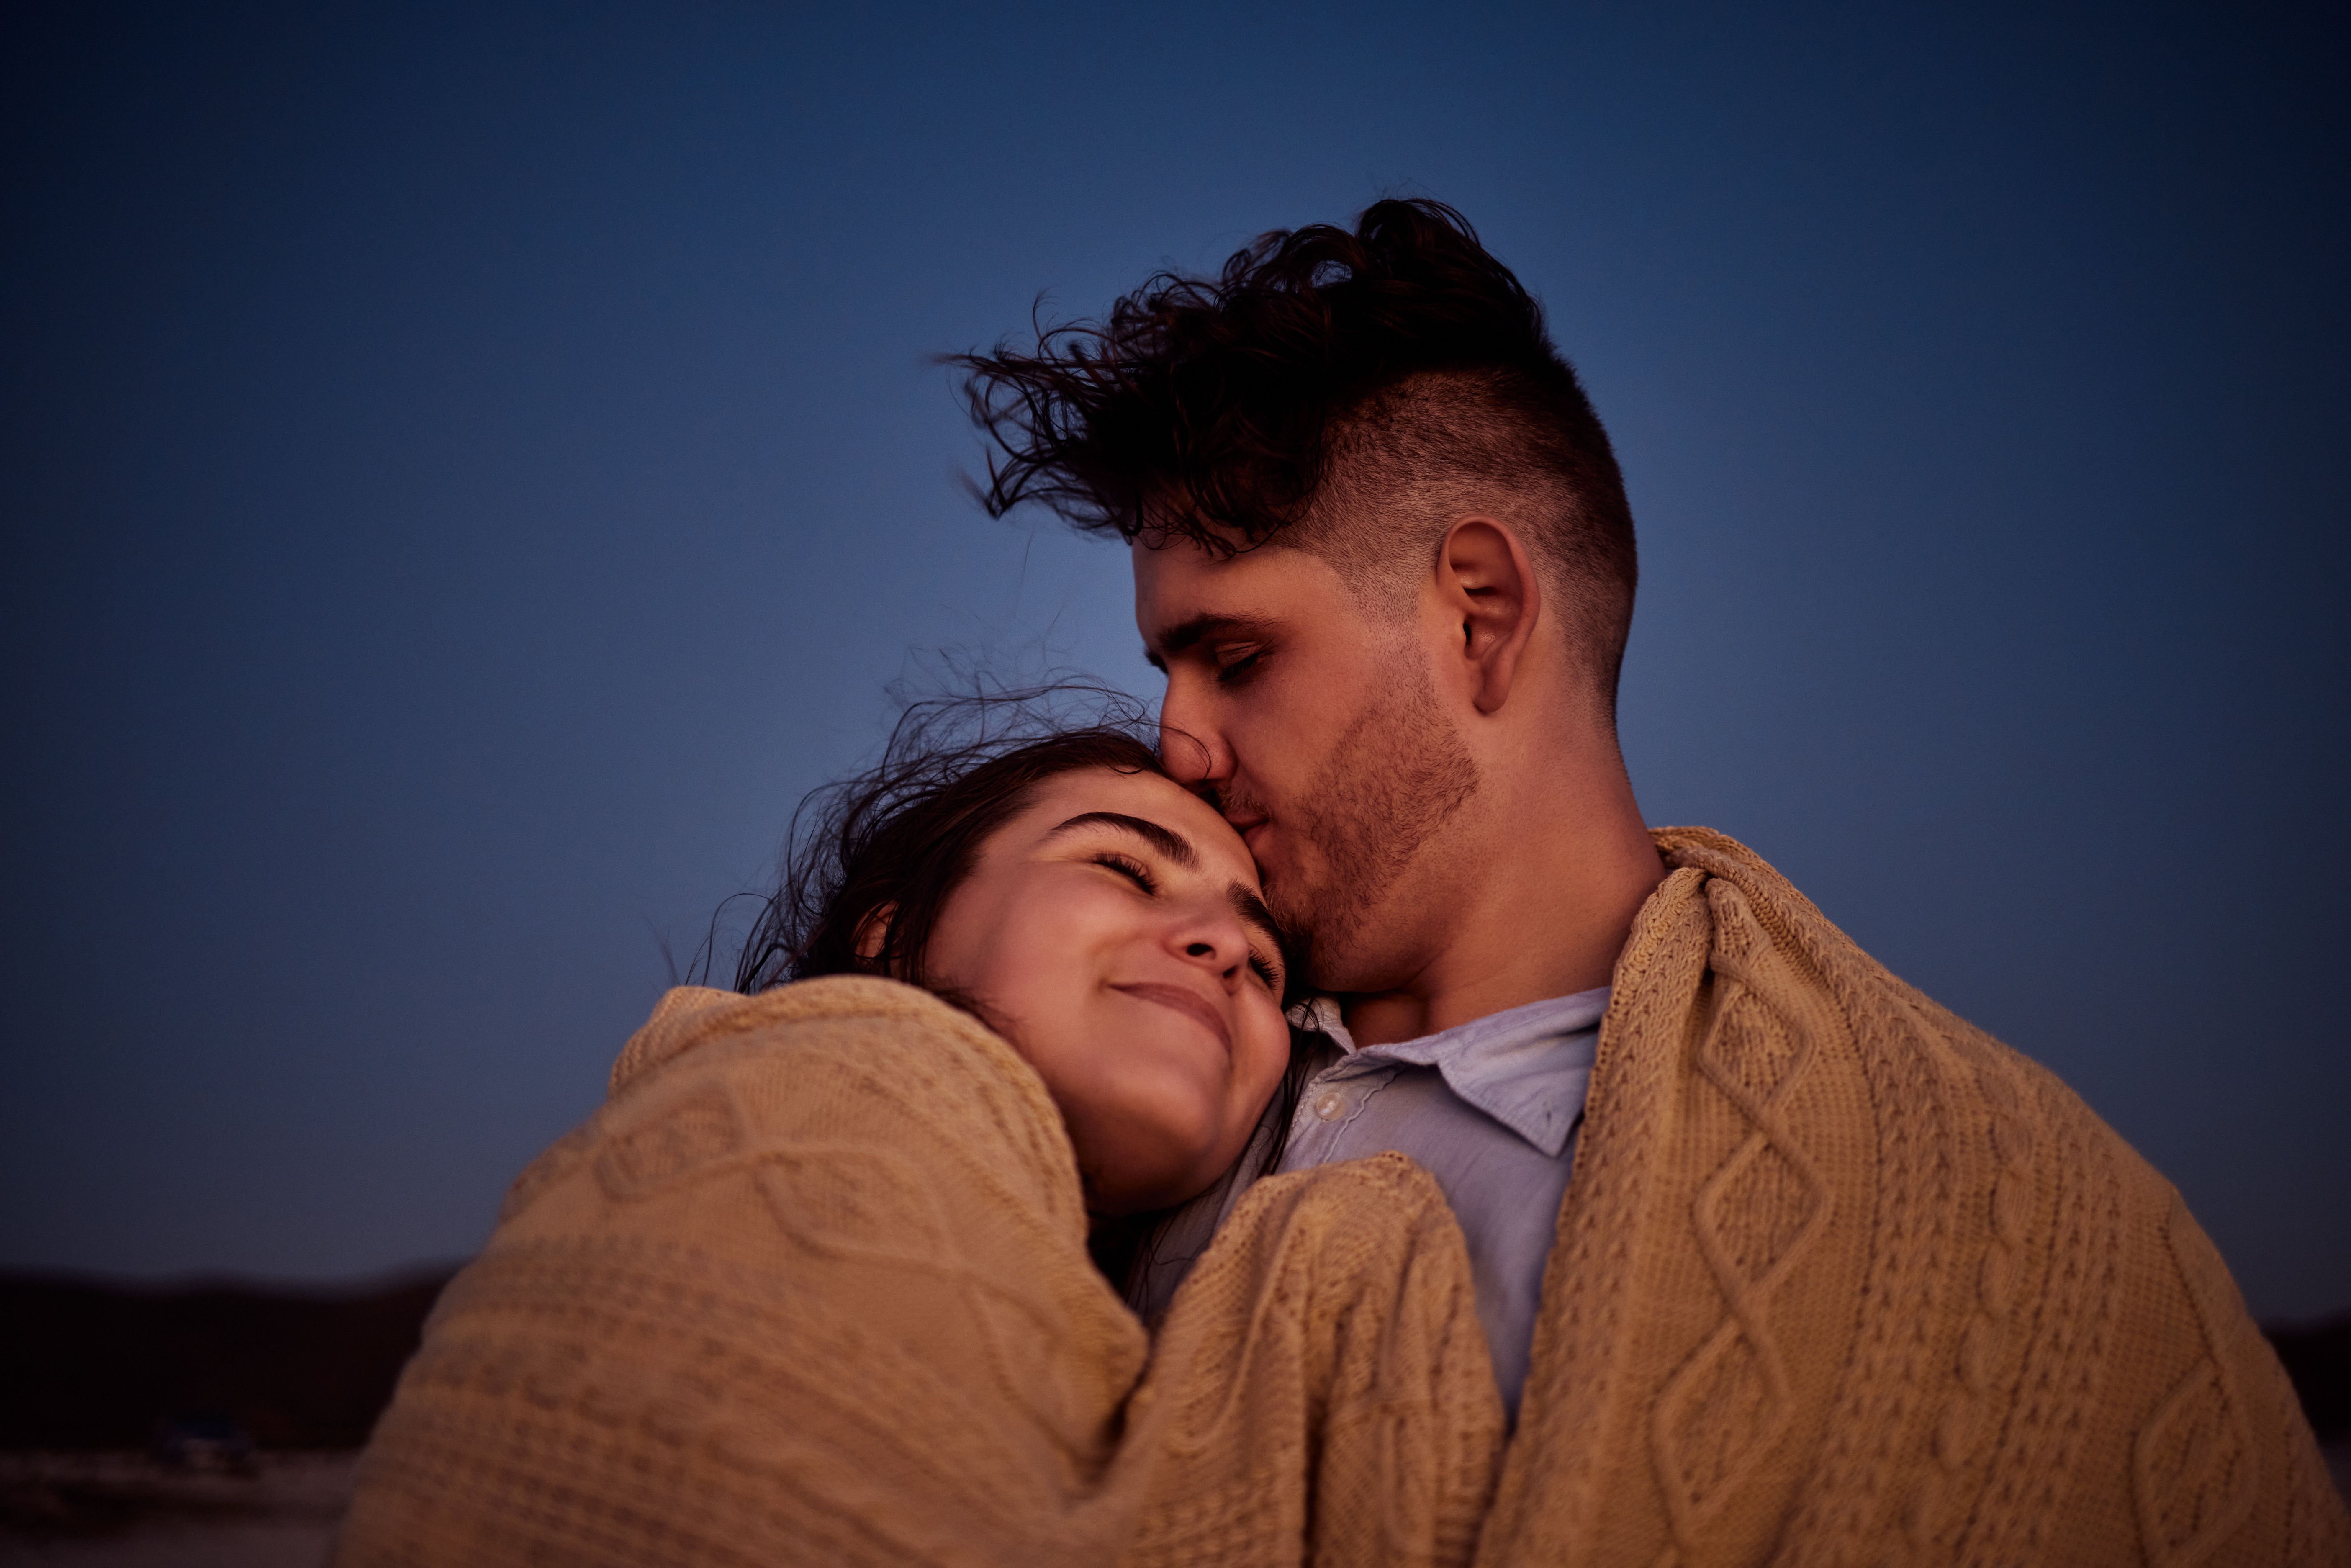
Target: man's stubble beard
<point x="1396" y="776"/>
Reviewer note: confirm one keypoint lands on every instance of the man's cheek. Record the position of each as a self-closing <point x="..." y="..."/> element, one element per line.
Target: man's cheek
<point x="1284" y="858"/>
<point x="1261" y="740"/>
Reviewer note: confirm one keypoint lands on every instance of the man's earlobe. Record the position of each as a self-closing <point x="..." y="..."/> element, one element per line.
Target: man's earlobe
<point x="1488" y="580"/>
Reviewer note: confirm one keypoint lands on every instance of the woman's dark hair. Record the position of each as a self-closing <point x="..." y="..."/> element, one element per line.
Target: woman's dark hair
<point x="902" y="835"/>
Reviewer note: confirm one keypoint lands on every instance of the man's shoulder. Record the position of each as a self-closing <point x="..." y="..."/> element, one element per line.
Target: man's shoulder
<point x="1798" y="975"/>
<point x="1929" y="1278"/>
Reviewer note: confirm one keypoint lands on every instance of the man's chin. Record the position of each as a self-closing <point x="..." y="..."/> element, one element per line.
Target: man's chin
<point x="1321" y="930"/>
<point x="1292" y="898"/>
<point x="1275" y="874"/>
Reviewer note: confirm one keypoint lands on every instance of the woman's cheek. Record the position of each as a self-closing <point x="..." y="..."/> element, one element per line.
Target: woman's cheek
<point x="1277" y="1028"/>
<point x="1040" y="944"/>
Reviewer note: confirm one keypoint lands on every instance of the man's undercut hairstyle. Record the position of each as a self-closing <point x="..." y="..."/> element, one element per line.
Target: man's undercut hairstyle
<point x="1352" y="394"/>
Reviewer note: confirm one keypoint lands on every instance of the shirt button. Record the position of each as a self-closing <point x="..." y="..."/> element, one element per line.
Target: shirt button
<point x="1329" y="1104"/>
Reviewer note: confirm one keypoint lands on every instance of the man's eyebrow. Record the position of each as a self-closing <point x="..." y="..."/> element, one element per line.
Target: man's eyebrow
<point x="1174" y="845"/>
<point x="1187" y="634"/>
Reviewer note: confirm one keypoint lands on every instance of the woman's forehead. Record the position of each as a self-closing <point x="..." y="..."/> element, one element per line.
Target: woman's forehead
<point x="1154" y="797"/>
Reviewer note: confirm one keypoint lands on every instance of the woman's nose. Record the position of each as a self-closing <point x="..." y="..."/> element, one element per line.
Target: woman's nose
<point x="1211" y="948"/>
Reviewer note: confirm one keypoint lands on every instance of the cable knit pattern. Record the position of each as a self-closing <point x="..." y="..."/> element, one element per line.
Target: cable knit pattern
<point x="1840" y="1281"/>
<point x="812" y="1287"/>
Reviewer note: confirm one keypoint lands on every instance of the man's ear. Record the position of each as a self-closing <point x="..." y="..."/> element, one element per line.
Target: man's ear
<point x="874" y="930"/>
<point x="1487" y="582"/>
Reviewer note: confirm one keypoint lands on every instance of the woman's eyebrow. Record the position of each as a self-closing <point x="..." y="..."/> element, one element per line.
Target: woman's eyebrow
<point x="1253" y="911"/>
<point x="1174" y="845"/>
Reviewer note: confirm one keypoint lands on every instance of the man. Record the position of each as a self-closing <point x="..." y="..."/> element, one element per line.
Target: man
<point x="1817" y="1268"/>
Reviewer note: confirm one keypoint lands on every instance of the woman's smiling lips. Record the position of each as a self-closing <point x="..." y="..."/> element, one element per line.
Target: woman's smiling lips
<point x="1190" y="1003"/>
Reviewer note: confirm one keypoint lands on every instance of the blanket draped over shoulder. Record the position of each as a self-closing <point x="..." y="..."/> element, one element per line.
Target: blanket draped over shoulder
<point x="1839" y="1280"/>
<point x="812" y="1287"/>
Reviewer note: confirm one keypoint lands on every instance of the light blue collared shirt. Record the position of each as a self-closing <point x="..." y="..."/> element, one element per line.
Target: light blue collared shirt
<point x="1489" y="1108"/>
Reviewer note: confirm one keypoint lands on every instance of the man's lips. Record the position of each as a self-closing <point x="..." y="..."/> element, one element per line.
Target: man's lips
<point x="1189" y="1003"/>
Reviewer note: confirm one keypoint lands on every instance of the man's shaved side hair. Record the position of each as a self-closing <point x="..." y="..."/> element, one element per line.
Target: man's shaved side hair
<point x="1352" y="394"/>
<point x="1415" y="457"/>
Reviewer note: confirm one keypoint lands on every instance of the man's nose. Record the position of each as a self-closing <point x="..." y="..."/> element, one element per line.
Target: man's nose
<point x="1195" y="754"/>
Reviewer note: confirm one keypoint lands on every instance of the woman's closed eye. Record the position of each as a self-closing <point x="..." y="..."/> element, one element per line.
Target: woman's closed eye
<point x="1265" y="969"/>
<point x="1133" y="870"/>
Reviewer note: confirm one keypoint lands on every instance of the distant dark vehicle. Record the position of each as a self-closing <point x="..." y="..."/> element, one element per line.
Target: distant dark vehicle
<point x="204" y="1441"/>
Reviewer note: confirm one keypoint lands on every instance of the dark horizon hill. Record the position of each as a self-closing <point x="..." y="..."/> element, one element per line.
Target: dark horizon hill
<point x="89" y="1363"/>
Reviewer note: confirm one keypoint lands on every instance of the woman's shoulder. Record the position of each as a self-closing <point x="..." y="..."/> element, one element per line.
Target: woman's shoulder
<point x="881" y="1012"/>
<point x="845" y="1068"/>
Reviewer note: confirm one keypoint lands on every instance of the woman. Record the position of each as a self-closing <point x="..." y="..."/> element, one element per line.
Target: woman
<point x="814" y="1285"/>
<point x="1161" y="896"/>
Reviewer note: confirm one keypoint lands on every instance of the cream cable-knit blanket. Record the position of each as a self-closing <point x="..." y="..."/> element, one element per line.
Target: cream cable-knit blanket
<point x="1840" y="1279"/>
<point x="812" y="1287"/>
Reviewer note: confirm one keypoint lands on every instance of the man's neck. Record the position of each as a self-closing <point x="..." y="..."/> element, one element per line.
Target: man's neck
<point x="1564" y="872"/>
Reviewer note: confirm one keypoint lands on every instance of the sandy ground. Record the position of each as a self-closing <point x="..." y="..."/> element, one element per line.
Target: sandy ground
<point x="123" y="1510"/>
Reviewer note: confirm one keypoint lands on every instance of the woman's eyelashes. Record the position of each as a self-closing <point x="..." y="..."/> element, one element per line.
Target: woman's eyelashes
<point x="1136" y="872"/>
<point x="1133" y="870"/>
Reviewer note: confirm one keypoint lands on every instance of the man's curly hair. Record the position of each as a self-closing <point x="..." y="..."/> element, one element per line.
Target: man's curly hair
<point x="1354" y="392"/>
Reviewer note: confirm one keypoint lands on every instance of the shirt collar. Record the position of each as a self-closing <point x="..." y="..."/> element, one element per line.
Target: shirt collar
<point x="1527" y="1067"/>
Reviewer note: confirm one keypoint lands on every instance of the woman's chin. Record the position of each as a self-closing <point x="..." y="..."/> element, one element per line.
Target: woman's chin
<point x="1155" y="1138"/>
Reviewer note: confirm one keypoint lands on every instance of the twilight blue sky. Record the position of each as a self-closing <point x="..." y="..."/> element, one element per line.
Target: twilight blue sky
<point x="467" y="470"/>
